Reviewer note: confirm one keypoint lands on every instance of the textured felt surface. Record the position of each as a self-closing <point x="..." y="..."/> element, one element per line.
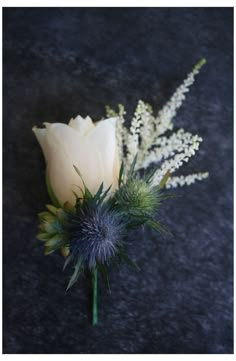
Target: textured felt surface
<point x="62" y="62"/>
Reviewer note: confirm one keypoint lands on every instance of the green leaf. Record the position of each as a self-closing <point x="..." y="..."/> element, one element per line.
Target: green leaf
<point x="132" y="167"/>
<point x="77" y="272"/>
<point x="67" y="261"/>
<point x="158" y="227"/>
<point x="87" y="193"/>
<point x="76" y="196"/>
<point x="149" y="176"/>
<point x="98" y="194"/>
<point x="51" y="194"/>
<point x="104" y="194"/>
<point x="121" y="173"/>
<point x="125" y="258"/>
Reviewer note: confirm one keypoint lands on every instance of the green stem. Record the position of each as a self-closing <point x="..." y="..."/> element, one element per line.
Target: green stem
<point x="95" y="296"/>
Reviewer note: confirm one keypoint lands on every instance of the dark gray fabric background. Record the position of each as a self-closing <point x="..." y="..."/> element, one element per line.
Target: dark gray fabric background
<point x="66" y="61"/>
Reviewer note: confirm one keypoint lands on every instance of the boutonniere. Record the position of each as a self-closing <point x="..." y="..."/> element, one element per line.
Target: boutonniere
<point x="104" y="180"/>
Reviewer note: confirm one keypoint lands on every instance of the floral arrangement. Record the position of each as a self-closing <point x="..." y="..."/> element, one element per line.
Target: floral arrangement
<point x="104" y="180"/>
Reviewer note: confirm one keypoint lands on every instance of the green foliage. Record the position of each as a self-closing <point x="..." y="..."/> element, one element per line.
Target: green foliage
<point x="87" y="197"/>
<point x="51" y="229"/>
<point x="120" y="179"/>
<point x="158" y="227"/>
<point x="78" y="268"/>
<point x="123" y="257"/>
<point x="136" y="201"/>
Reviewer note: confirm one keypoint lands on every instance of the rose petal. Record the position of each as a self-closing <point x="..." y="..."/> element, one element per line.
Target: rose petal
<point x="82" y="125"/>
<point x="40" y="135"/>
<point x="103" y="136"/>
<point x="73" y="150"/>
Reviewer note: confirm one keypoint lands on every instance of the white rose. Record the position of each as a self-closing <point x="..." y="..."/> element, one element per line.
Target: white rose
<point x="90" y="147"/>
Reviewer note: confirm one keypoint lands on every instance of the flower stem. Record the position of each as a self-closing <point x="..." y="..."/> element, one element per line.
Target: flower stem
<point x="95" y="296"/>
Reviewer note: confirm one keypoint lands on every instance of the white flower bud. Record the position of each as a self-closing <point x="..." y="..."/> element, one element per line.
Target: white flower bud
<point x="90" y="147"/>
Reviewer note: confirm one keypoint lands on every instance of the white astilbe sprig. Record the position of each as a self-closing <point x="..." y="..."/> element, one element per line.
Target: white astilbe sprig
<point x="181" y="181"/>
<point x="148" y="123"/>
<point x="121" y="130"/>
<point x="167" y="113"/>
<point x="149" y="137"/>
<point x="172" y="164"/>
<point x="133" y="136"/>
<point x="165" y="147"/>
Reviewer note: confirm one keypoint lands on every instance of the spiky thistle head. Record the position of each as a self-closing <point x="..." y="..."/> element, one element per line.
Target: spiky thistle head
<point x="95" y="233"/>
<point x="136" y="196"/>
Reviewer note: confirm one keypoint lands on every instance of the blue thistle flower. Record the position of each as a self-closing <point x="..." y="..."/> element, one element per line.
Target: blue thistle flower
<point x="95" y="233"/>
